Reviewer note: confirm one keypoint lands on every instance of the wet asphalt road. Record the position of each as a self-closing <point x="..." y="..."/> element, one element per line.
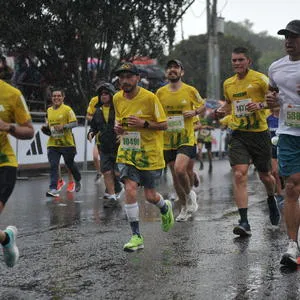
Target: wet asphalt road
<point x="71" y="247"/>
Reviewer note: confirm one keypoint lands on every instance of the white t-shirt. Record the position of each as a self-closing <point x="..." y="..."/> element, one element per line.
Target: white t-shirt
<point x="284" y="74"/>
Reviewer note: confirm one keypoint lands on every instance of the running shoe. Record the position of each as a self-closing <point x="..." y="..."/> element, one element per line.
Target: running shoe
<point x="10" y="250"/>
<point x="167" y="218"/>
<point x="289" y="258"/>
<point x="110" y="201"/>
<point x="97" y="178"/>
<point x="274" y="211"/>
<point x="136" y="242"/>
<point x="60" y="184"/>
<point x="119" y="195"/>
<point x="77" y="186"/>
<point x="52" y="193"/>
<point x="243" y="229"/>
<point x="71" y="187"/>
<point x="191" y="204"/>
<point x="183" y="216"/>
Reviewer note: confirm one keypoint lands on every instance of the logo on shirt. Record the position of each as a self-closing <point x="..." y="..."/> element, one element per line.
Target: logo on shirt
<point x="2" y="108"/>
<point x="35" y="146"/>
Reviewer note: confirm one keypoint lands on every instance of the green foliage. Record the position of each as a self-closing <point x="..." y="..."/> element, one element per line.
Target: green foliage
<point x="60" y="35"/>
<point x="270" y="48"/>
<point x="193" y="53"/>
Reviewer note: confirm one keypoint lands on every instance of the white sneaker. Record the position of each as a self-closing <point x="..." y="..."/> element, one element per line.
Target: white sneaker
<point x="173" y="197"/>
<point x="11" y="251"/>
<point x="192" y="205"/>
<point x="289" y="258"/>
<point x="183" y="216"/>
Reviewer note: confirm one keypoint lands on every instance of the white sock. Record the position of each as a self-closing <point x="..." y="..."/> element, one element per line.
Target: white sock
<point x="132" y="212"/>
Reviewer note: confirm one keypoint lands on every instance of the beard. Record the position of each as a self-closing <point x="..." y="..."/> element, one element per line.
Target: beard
<point x="173" y="80"/>
<point x="128" y="88"/>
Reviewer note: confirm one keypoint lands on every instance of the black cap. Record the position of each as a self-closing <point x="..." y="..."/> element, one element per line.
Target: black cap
<point x="291" y="27"/>
<point x="127" y="67"/>
<point x="106" y="86"/>
<point x="175" y="61"/>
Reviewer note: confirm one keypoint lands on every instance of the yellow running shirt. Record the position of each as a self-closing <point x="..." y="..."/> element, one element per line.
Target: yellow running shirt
<point x="239" y="92"/>
<point x="91" y="108"/>
<point x="61" y="116"/>
<point x="142" y="148"/>
<point x="180" y="130"/>
<point x="13" y="109"/>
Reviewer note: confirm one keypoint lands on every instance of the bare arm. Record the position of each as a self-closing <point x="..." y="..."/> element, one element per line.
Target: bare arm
<point x="136" y="122"/>
<point x="23" y="131"/>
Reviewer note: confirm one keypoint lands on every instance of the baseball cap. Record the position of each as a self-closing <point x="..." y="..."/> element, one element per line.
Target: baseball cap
<point x="127" y="67"/>
<point x="175" y="61"/>
<point x="291" y="27"/>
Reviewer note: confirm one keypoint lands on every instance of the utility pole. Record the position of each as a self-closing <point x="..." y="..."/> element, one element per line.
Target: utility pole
<point x="213" y="53"/>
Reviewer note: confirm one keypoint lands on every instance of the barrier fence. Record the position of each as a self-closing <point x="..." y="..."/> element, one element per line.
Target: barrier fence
<point x="34" y="151"/>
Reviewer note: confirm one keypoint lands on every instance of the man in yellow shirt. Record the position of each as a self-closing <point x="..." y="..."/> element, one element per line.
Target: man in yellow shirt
<point x="140" y="120"/>
<point x="181" y="103"/>
<point x="60" y="120"/>
<point x="250" y="140"/>
<point x="13" y="109"/>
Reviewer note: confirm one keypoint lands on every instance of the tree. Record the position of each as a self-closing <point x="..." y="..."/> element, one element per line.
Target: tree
<point x="62" y="34"/>
<point x="193" y="53"/>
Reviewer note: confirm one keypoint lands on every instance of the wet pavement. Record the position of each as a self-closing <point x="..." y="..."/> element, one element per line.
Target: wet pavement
<point x="71" y="247"/>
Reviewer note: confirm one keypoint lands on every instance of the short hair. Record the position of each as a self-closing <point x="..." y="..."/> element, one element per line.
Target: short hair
<point x="243" y="50"/>
<point x="58" y="89"/>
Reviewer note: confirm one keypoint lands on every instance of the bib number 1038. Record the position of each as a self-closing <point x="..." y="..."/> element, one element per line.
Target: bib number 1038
<point x="131" y="141"/>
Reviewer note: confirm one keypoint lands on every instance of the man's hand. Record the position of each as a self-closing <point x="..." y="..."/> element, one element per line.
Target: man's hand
<point x="90" y="136"/>
<point x="4" y="126"/>
<point x="118" y="128"/>
<point x="253" y="106"/>
<point x="58" y="127"/>
<point x="189" y="114"/>
<point x="134" y="121"/>
<point x="272" y="99"/>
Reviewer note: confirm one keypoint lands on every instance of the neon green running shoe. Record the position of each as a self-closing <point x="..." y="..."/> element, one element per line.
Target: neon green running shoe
<point x="136" y="242"/>
<point x="168" y="218"/>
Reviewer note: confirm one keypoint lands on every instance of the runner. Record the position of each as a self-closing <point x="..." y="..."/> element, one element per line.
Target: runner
<point x="285" y="92"/>
<point x="181" y="102"/>
<point x="250" y="140"/>
<point x="205" y="138"/>
<point x="102" y="126"/>
<point x="273" y="125"/>
<point x="13" y="110"/>
<point x="89" y="115"/>
<point x="140" y="120"/>
<point x="60" y="121"/>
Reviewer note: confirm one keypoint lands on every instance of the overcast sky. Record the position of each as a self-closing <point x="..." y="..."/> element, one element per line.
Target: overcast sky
<point x="266" y="15"/>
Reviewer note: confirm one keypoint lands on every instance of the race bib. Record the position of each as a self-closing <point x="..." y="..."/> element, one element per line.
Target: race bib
<point x="240" y="109"/>
<point x="56" y="133"/>
<point x="291" y="115"/>
<point x="131" y="141"/>
<point x="204" y="132"/>
<point x="175" y="123"/>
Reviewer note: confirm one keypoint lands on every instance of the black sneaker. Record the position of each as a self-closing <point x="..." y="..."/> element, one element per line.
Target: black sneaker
<point x="274" y="211"/>
<point x="77" y="186"/>
<point x="243" y="229"/>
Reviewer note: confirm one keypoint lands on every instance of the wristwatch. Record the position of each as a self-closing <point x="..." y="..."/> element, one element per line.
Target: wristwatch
<point x="12" y="129"/>
<point x="146" y="124"/>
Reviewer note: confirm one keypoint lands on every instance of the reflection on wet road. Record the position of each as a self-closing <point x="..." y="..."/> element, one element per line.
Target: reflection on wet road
<point x="71" y="247"/>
